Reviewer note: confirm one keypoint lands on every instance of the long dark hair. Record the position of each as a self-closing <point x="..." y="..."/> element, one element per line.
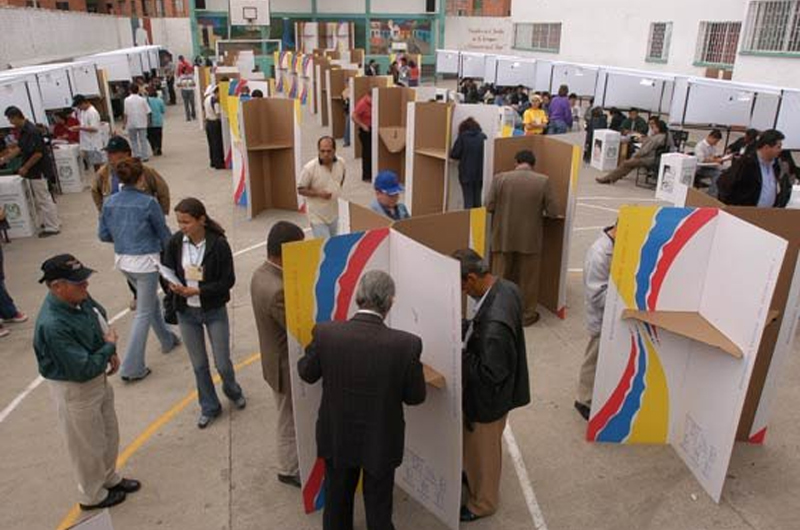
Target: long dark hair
<point x="468" y="124"/>
<point x="197" y="209"/>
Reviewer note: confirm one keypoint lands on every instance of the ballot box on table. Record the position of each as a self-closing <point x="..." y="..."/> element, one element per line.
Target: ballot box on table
<point x="605" y="149"/>
<point x="16" y="199"/>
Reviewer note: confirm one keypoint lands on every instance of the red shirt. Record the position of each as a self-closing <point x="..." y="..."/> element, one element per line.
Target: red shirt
<point x="185" y="68"/>
<point x="62" y="132"/>
<point x="363" y="110"/>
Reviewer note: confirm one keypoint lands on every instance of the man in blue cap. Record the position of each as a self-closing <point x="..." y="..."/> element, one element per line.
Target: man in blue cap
<point x="387" y="196"/>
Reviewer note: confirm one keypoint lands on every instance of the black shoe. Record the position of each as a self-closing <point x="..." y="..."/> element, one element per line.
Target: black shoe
<point x="42" y="235"/>
<point x="240" y="402"/>
<point x="467" y="516"/>
<point x="113" y="498"/>
<point x="127" y="379"/>
<point x="583" y="410"/>
<point x="291" y="480"/>
<point x="127" y="485"/>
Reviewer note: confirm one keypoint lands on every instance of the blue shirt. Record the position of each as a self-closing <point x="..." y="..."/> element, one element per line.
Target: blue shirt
<point x="769" y="185"/>
<point x="400" y="211"/>
<point x="157" y="110"/>
<point x="134" y="222"/>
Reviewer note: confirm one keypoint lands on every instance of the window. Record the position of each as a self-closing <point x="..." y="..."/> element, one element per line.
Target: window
<point x="658" y="42"/>
<point x="773" y="27"/>
<point x="178" y="7"/>
<point x="200" y="4"/>
<point x="544" y="37"/>
<point x="159" y="8"/>
<point x="62" y="6"/>
<point x="717" y="43"/>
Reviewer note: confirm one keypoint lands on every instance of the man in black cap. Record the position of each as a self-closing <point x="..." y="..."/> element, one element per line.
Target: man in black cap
<point x="76" y="350"/>
<point x="106" y="183"/>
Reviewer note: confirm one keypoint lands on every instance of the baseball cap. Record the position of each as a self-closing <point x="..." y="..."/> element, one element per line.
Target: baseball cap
<point x="117" y="144"/>
<point x="64" y="267"/>
<point x="78" y="99"/>
<point x="386" y="182"/>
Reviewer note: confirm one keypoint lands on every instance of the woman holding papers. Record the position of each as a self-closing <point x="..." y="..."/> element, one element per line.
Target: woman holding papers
<point x="134" y="222"/>
<point x="202" y="262"/>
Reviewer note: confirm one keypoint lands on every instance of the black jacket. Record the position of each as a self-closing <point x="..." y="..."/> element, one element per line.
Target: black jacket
<point x="218" y="275"/>
<point x="495" y="363"/>
<point x="368" y="371"/>
<point x="468" y="150"/>
<point x="740" y="185"/>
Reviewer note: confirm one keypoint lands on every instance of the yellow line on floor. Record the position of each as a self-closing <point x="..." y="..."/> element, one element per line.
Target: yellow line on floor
<point x="74" y="514"/>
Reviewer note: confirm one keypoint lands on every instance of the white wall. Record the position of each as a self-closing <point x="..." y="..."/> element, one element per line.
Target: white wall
<point x="174" y="34"/>
<point x="778" y="71"/>
<point x="32" y="36"/>
<point x="479" y="34"/>
<point x="615" y="32"/>
<point x="342" y="6"/>
<point x="399" y="6"/>
<point x="290" y="6"/>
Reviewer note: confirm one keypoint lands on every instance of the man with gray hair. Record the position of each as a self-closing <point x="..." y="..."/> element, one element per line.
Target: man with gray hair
<point x="369" y="370"/>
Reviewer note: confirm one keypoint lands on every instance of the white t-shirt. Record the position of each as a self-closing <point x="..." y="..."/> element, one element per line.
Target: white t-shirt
<point x="704" y="151"/>
<point x="136" y="111"/>
<point x="317" y="177"/>
<point x="192" y="256"/>
<point x="211" y="108"/>
<point x="90" y="141"/>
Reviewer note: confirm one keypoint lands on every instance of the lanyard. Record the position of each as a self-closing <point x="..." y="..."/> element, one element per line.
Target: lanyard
<point x="196" y="259"/>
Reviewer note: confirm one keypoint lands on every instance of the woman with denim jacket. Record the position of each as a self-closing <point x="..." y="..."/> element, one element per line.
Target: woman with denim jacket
<point x="201" y="258"/>
<point x="134" y="222"/>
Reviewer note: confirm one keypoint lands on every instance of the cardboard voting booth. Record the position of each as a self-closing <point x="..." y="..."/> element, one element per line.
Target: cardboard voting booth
<point x="320" y="278"/>
<point x="605" y="149"/>
<point x="778" y="338"/>
<point x="337" y="80"/>
<point x="625" y="89"/>
<point x="561" y="162"/>
<point x="675" y="177"/>
<point x="72" y="177"/>
<point x="489" y="117"/>
<point x="272" y="162"/>
<point x="473" y="64"/>
<point x="360" y="86"/>
<point x="428" y="144"/>
<point x="321" y="67"/>
<point x="17" y="200"/>
<point x="389" y="115"/>
<point x="448" y="62"/>
<point x="687" y="304"/>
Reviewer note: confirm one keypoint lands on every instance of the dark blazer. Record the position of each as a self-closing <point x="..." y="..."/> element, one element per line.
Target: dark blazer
<point x="218" y="275"/>
<point x="740" y="185"/>
<point x="495" y="363"/>
<point x="368" y="371"/>
<point x="468" y="150"/>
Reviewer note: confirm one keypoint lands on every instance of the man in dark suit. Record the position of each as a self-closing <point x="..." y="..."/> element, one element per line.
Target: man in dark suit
<point x="495" y="374"/>
<point x="756" y="179"/>
<point x="368" y="372"/>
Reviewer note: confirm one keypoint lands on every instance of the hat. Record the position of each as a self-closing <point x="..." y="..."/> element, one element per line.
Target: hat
<point x="64" y="267"/>
<point x="117" y="144"/>
<point x="78" y="99"/>
<point x="386" y="182"/>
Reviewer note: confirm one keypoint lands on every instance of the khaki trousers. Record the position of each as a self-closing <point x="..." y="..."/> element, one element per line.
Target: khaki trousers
<point x="285" y="436"/>
<point x="523" y="270"/>
<point x="588" y="369"/>
<point x="46" y="211"/>
<point x="626" y="167"/>
<point x="483" y="462"/>
<point x="88" y="423"/>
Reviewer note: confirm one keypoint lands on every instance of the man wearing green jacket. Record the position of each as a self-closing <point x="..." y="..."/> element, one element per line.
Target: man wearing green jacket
<point x="76" y="350"/>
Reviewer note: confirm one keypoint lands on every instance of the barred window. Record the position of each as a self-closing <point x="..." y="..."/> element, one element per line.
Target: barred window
<point x="773" y="27"/>
<point x="539" y="36"/>
<point x="659" y="40"/>
<point x="717" y="42"/>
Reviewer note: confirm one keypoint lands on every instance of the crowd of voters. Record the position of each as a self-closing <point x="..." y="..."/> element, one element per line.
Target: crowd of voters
<point x="77" y="349"/>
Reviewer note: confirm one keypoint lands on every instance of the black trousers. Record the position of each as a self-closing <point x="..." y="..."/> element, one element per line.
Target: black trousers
<point x="472" y="194"/>
<point x="171" y="91"/>
<point x="154" y="137"/>
<point x="365" y="137"/>
<point x="216" y="152"/>
<point x="340" y="488"/>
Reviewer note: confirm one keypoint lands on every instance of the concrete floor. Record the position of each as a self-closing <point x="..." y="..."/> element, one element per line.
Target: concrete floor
<point x="224" y="477"/>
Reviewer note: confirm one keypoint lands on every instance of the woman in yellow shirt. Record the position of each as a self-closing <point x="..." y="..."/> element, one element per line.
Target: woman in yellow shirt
<point x="535" y="118"/>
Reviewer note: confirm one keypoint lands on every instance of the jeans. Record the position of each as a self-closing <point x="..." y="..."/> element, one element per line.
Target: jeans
<point x="140" y="148"/>
<point x="325" y="231"/>
<point x="188" y="104"/>
<point x="7" y="308"/>
<point x="148" y="313"/>
<point x="713" y="175"/>
<point x="192" y="320"/>
<point x="557" y="127"/>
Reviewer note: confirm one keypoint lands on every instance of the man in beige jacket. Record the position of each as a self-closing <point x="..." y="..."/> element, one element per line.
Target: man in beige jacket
<point x="519" y="201"/>
<point x="266" y="294"/>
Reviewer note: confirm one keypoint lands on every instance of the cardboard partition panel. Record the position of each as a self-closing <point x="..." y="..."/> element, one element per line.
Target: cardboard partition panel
<point x="428" y="131"/>
<point x="356" y="218"/>
<point x="321" y="67"/>
<point x="489" y="118"/>
<point x="389" y="119"/>
<point x="560" y="161"/>
<point x="360" y="87"/>
<point x="270" y="140"/>
<point x="778" y="337"/>
<point x="337" y="81"/>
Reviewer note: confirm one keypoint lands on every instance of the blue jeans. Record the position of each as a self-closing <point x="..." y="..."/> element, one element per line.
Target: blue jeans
<point x="325" y="231"/>
<point x="7" y="308"/>
<point x="557" y="127"/>
<point x="192" y="320"/>
<point x="148" y="313"/>
<point x="140" y="147"/>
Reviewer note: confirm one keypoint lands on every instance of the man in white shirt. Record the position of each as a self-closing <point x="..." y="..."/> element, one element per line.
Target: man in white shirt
<point x="321" y="183"/>
<point x="135" y="121"/>
<point x="91" y="137"/>
<point x="213" y="126"/>
<point x="708" y="161"/>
